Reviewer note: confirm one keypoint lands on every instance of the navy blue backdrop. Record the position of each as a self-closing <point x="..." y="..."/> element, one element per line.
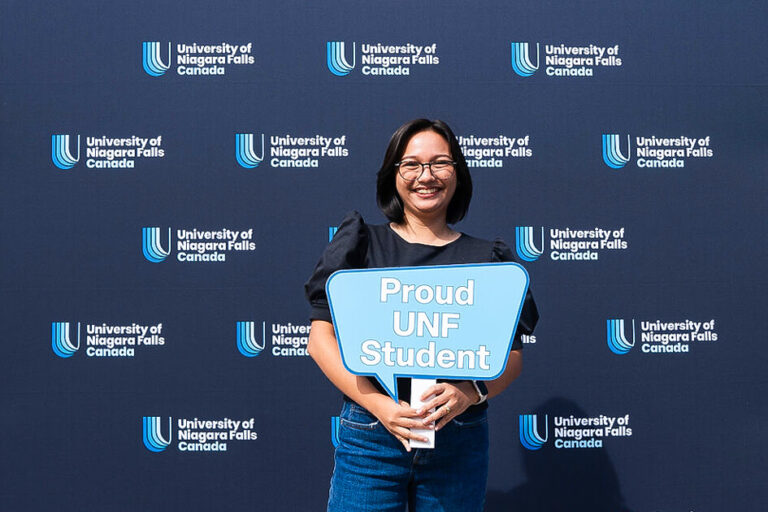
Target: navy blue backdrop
<point x="171" y="172"/>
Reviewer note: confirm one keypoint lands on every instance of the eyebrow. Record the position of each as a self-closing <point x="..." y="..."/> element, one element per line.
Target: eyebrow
<point x="410" y="157"/>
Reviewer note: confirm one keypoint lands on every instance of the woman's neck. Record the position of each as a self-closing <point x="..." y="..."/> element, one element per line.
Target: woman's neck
<point x="433" y="231"/>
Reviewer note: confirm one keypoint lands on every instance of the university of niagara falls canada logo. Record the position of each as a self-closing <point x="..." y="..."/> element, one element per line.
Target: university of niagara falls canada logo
<point x="61" y="153"/>
<point x="522" y="63"/>
<point x="616" y="336"/>
<point x="564" y="60"/>
<point x="244" y="152"/>
<point x="569" y="244"/>
<point x="152" y="435"/>
<point x="198" y="434"/>
<point x="653" y="152"/>
<point x="195" y="59"/>
<point x="288" y="150"/>
<point x="524" y="243"/>
<point x="106" y="339"/>
<point x="379" y="59"/>
<point x="151" y="245"/>
<point x="105" y="151"/>
<point x="335" y="425"/>
<point x="61" y="340"/>
<point x="660" y="337"/>
<point x="336" y="58"/>
<point x="529" y="431"/>
<point x="573" y="432"/>
<point x="246" y="339"/>
<point x="612" y="154"/>
<point x="196" y="245"/>
<point x="152" y="59"/>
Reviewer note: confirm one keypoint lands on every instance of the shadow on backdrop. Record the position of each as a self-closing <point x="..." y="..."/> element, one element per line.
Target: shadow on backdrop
<point x="560" y="480"/>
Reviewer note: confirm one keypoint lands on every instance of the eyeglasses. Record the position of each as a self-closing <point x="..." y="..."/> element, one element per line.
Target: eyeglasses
<point x="411" y="170"/>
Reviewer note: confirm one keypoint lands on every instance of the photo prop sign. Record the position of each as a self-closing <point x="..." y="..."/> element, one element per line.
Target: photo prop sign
<point x="440" y="322"/>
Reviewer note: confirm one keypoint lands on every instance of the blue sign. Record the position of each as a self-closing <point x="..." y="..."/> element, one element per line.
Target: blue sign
<point x="450" y="322"/>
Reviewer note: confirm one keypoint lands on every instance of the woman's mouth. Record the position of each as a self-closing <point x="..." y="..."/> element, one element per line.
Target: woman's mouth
<point x="427" y="191"/>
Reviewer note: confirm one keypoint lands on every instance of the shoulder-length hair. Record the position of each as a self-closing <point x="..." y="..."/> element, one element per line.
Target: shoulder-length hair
<point x="389" y="200"/>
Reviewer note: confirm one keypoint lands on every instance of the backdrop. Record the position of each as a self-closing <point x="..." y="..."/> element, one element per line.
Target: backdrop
<point x="172" y="171"/>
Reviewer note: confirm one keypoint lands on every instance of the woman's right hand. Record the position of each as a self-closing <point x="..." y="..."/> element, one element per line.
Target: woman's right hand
<point x="398" y="419"/>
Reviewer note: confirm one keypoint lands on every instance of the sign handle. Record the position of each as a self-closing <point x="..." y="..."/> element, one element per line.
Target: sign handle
<point x="418" y="386"/>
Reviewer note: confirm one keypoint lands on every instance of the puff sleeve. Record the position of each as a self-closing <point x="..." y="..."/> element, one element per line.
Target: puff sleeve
<point x="348" y="249"/>
<point x="530" y="314"/>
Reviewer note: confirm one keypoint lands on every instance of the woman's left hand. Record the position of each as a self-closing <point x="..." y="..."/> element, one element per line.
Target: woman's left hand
<point x="449" y="400"/>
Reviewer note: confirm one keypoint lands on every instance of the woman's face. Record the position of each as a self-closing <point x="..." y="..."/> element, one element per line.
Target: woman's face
<point x="426" y="197"/>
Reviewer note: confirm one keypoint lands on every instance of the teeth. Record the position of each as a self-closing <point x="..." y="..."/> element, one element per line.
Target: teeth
<point x="426" y="190"/>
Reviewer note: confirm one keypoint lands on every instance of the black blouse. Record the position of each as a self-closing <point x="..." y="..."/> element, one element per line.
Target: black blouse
<point x="358" y="245"/>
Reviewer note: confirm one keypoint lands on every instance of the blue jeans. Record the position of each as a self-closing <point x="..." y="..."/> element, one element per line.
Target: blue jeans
<point x="373" y="472"/>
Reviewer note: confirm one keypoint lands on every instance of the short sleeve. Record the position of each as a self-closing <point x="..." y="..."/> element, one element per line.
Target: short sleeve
<point x="529" y="316"/>
<point x="347" y="249"/>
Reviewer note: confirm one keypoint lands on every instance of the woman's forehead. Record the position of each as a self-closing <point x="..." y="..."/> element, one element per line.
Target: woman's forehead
<point x="429" y="141"/>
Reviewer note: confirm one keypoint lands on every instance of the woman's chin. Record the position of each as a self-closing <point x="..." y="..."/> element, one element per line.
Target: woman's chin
<point x="427" y="209"/>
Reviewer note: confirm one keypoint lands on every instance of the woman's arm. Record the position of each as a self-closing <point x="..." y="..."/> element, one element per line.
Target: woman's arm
<point x="397" y="418"/>
<point x="511" y="372"/>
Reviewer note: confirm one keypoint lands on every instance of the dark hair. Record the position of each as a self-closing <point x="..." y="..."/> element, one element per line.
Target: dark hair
<point x="387" y="197"/>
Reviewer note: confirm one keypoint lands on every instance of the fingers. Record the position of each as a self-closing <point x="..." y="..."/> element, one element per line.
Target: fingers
<point x="404" y="435"/>
<point x="435" y="389"/>
<point x="400" y="423"/>
<point x="434" y="400"/>
<point x="447" y="417"/>
<point x="441" y="394"/>
<point x="407" y="411"/>
<point x="448" y="402"/>
<point x="441" y="413"/>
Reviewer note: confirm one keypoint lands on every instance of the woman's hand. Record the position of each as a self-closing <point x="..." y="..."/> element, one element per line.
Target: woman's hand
<point x="399" y="419"/>
<point x="449" y="400"/>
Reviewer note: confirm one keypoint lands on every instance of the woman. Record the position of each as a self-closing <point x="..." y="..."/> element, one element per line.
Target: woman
<point x="423" y="186"/>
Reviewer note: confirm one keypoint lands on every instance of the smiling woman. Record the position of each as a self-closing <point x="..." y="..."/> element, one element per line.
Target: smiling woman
<point x="426" y="181"/>
<point x="423" y="185"/>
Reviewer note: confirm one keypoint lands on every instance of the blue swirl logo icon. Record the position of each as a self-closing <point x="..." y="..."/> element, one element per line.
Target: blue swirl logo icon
<point x="60" y="153"/>
<point x="521" y="59"/>
<point x="332" y="231"/>
<point x="152" y="436"/>
<point x="529" y="431"/>
<point x="526" y="250"/>
<point x="246" y="339"/>
<point x="150" y="245"/>
<point x="335" y="425"/>
<point x="337" y="60"/>
<point x="151" y="59"/>
<point x="617" y="340"/>
<point x="244" y="152"/>
<point x="60" y="340"/>
<point x="612" y="155"/>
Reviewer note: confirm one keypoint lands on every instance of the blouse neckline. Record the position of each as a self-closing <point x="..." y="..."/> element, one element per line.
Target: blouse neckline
<point x="403" y="240"/>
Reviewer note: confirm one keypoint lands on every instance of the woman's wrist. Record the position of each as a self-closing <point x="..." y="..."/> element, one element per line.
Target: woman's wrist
<point x="375" y="403"/>
<point x="481" y="390"/>
<point x="467" y="387"/>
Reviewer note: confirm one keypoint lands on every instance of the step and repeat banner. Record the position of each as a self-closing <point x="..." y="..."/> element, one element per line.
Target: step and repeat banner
<point x="172" y="171"/>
